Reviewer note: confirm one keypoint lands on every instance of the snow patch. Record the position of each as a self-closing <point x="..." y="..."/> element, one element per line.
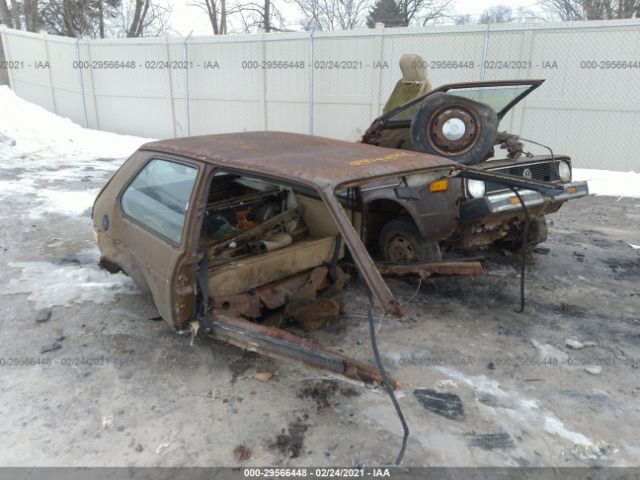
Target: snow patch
<point x="17" y="187"/>
<point x="525" y="411"/>
<point x="43" y="202"/>
<point x="609" y="183"/>
<point x="36" y="132"/>
<point x="71" y="203"/>
<point x="48" y="284"/>
<point x="481" y="383"/>
<point x="548" y="352"/>
<point x="555" y="426"/>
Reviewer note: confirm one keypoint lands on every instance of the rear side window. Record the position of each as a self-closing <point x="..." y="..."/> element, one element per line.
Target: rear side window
<point x="158" y="198"/>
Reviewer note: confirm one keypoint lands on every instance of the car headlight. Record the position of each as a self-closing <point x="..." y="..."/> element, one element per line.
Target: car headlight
<point x="475" y="188"/>
<point x="564" y="171"/>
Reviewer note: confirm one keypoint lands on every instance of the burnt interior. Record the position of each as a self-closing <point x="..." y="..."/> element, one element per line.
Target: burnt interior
<point x="236" y="204"/>
<point x="273" y="251"/>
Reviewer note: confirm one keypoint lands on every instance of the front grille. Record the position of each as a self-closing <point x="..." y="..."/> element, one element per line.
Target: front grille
<point x="546" y="171"/>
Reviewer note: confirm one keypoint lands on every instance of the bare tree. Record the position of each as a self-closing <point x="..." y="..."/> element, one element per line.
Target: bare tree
<point x="11" y="18"/>
<point x="569" y="10"/>
<point x="101" y="18"/>
<point x="97" y="18"/>
<point x="422" y="11"/>
<point x="15" y="13"/>
<point x="5" y="14"/>
<point x="141" y="7"/>
<point x="331" y="14"/>
<point x="465" y="19"/>
<point x="216" y="10"/>
<point x="259" y="16"/>
<point x="61" y="17"/>
<point x="31" y="15"/>
<point x="71" y="18"/>
<point x="140" y="18"/>
<point x="497" y="14"/>
<point x="350" y="13"/>
<point x="312" y="16"/>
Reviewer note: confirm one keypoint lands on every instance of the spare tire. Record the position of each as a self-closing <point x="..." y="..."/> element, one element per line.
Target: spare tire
<point x="454" y="127"/>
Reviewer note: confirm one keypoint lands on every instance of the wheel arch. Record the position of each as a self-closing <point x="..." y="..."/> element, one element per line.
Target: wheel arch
<point x="381" y="210"/>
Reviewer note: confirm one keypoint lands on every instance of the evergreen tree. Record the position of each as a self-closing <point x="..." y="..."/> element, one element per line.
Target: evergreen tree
<point x="387" y="12"/>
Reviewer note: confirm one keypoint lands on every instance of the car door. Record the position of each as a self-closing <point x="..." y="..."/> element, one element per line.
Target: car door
<point x="155" y="208"/>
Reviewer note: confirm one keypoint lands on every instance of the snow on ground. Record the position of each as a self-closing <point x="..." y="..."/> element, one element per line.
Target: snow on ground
<point x="64" y="203"/>
<point x="47" y="154"/>
<point x="39" y="133"/>
<point x="610" y="183"/>
<point x="50" y="166"/>
<point x="525" y="412"/>
<point x="49" y="284"/>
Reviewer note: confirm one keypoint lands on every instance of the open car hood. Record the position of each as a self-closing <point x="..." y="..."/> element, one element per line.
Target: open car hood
<point x="501" y="95"/>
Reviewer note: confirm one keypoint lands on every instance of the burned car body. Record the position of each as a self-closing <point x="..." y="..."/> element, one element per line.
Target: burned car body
<point x="460" y="122"/>
<point x="223" y="231"/>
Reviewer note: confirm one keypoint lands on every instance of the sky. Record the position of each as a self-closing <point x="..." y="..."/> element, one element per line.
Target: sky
<point x="476" y="7"/>
<point x="186" y="18"/>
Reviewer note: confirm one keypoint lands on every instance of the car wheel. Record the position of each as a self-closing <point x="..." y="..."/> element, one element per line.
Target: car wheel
<point x="454" y="127"/>
<point x="401" y="242"/>
<point x="538" y="233"/>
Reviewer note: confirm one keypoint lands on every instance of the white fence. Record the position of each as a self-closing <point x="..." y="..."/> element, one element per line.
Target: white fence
<point x="335" y="83"/>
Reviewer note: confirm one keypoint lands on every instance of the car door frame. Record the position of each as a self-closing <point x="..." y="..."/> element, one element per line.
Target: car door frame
<point x="153" y="256"/>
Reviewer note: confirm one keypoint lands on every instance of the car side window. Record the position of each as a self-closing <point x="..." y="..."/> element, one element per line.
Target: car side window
<point x="158" y="198"/>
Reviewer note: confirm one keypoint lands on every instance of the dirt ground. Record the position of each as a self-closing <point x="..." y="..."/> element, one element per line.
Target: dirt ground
<point x="117" y="388"/>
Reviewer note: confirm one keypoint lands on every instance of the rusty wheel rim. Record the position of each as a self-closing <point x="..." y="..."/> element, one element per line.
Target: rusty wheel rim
<point x="400" y="250"/>
<point x="465" y="134"/>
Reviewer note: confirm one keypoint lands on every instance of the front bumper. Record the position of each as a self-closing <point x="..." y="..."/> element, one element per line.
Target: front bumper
<point x="475" y="209"/>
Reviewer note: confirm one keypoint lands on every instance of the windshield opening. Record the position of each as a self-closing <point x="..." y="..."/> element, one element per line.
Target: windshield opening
<point x="498" y="97"/>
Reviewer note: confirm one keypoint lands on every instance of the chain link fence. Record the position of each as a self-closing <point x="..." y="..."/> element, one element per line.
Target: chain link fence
<point x="335" y="83"/>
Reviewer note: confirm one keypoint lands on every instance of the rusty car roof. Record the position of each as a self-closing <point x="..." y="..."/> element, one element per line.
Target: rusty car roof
<point x="314" y="160"/>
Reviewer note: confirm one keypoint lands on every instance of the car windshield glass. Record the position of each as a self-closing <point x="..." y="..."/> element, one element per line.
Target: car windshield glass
<point x="497" y="97"/>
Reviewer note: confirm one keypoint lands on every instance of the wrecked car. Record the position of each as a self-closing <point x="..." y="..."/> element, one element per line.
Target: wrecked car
<point x="235" y="235"/>
<point x="460" y="122"/>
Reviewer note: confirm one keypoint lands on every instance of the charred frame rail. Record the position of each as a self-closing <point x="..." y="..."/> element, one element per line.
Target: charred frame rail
<point x="278" y="343"/>
<point x="428" y="270"/>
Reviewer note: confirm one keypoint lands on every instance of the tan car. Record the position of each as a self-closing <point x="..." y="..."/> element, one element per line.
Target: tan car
<point x="235" y="235"/>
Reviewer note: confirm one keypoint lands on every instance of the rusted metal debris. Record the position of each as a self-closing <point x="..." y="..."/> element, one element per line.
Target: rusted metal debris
<point x="276" y="294"/>
<point x="427" y="270"/>
<point x="256" y="232"/>
<point x="278" y="343"/>
<point x="316" y="314"/>
<point x="312" y="300"/>
<point x="448" y="405"/>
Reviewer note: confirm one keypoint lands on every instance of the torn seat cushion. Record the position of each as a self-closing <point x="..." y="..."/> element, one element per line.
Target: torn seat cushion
<point x="252" y="272"/>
